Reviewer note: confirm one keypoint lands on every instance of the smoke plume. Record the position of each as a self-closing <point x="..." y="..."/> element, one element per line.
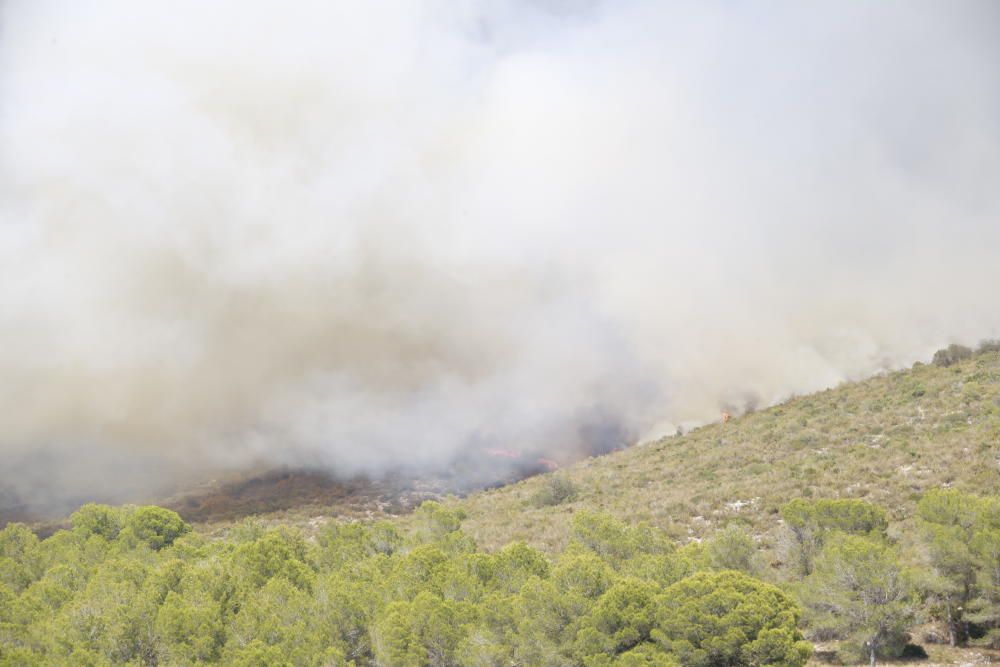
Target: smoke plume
<point x="359" y="234"/>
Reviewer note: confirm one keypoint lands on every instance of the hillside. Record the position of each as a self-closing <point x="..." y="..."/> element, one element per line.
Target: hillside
<point x="886" y="439"/>
<point x="633" y="562"/>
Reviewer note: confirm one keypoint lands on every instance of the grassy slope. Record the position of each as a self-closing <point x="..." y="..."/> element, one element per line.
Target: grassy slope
<point x="886" y="439"/>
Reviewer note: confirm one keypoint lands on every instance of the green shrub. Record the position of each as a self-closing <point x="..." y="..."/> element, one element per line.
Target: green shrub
<point x="728" y="618"/>
<point x="434" y="520"/>
<point x="619" y="594"/>
<point x="615" y="540"/>
<point x="733" y="549"/>
<point x="157" y="527"/>
<point x="861" y="592"/>
<point x="95" y="519"/>
<point x="811" y="521"/>
<point x="556" y="490"/>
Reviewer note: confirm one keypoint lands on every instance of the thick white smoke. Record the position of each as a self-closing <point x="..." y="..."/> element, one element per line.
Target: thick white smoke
<point x="353" y="234"/>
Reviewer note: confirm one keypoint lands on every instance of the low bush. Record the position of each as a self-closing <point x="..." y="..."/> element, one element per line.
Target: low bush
<point x="992" y="345"/>
<point x="558" y="489"/>
<point x="951" y="355"/>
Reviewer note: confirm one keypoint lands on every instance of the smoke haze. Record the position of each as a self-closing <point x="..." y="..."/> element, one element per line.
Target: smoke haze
<point x="357" y="234"/>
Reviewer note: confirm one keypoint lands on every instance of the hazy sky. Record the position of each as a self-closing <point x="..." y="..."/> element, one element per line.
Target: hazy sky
<point x="357" y="233"/>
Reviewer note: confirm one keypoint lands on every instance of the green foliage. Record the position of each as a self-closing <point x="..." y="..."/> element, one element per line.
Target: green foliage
<point x="620" y="620"/>
<point x="345" y="543"/>
<point x="113" y="616"/>
<point x="424" y="594"/>
<point x="861" y="592"/>
<point x="434" y="521"/>
<point x="583" y="574"/>
<point x="614" y="539"/>
<point x="962" y="536"/>
<point x="153" y="526"/>
<point x="128" y="586"/>
<point x="733" y="549"/>
<point x="191" y="625"/>
<point x="19" y="557"/>
<point x="94" y="519"/>
<point x="556" y="490"/>
<point x="948" y="507"/>
<point x="426" y="631"/>
<point x="811" y="521"/>
<point x="514" y="565"/>
<point x="279" y="615"/>
<point x="728" y="618"/>
<point x="984" y="608"/>
<point x="276" y="553"/>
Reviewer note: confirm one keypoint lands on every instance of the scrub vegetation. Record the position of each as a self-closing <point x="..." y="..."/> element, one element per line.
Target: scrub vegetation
<point x="859" y="524"/>
<point x="887" y="440"/>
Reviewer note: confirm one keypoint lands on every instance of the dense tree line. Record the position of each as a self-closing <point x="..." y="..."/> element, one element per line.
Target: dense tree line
<point x="137" y="586"/>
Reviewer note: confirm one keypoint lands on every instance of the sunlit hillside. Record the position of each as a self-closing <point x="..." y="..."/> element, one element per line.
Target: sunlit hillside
<point x="887" y="440"/>
<point x="860" y="523"/>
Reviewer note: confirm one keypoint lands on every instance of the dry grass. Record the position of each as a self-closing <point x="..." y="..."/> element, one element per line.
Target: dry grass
<point x="887" y="439"/>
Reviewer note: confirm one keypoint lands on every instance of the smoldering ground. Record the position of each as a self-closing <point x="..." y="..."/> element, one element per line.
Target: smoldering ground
<point x="351" y="235"/>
